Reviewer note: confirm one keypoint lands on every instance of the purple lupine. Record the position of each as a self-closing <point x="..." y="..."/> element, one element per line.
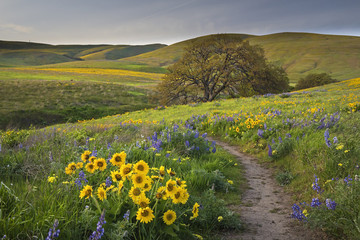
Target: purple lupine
<point x="280" y="140"/>
<point x="316" y="186"/>
<point x="331" y="205"/>
<point x="298" y="213"/>
<point x="99" y="228"/>
<point x="214" y="150"/>
<point x="82" y="177"/>
<point x="127" y="215"/>
<point x="347" y="180"/>
<point x="327" y="136"/>
<point x="260" y="133"/>
<point x="315" y="202"/>
<point x="187" y="144"/>
<point x="108" y="182"/>
<point x="53" y="232"/>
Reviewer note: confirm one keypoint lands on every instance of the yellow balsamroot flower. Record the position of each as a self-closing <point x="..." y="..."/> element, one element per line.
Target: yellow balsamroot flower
<point x="170" y="187"/>
<point x="100" y="164"/>
<point x="125" y="170"/>
<point x="305" y="212"/>
<point x="118" y="159"/>
<point x="85" y="156"/>
<point x="169" y="217"/>
<point x="51" y="179"/>
<point x="181" y="183"/>
<point x="86" y="192"/>
<point x="341" y="146"/>
<point x="340" y="164"/>
<point x="101" y="193"/>
<point x="120" y="186"/>
<point x="141" y="167"/>
<point x="195" y="211"/>
<point x="135" y="193"/>
<point x="79" y="165"/>
<point x="198" y="236"/>
<point x="220" y="218"/>
<point x="92" y="159"/>
<point x="71" y="168"/>
<point x="143" y="201"/>
<point x="170" y="172"/>
<point x="230" y="182"/>
<point x="162" y="171"/>
<point x="161" y="193"/>
<point x="145" y="215"/>
<point x="139" y="180"/>
<point x="90" y="167"/>
<point x="237" y="129"/>
<point x="116" y="176"/>
<point x="180" y="196"/>
<point x="147" y="185"/>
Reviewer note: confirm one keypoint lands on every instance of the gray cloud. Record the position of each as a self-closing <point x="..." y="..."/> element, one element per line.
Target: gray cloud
<point x="168" y="21"/>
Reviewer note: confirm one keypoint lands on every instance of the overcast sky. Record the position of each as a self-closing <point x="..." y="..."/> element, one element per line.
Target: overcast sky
<point x="169" y="21"/>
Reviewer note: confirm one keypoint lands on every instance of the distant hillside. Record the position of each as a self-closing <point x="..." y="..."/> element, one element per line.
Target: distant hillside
<point x="33" y="54"/>
<point x="299" y="53"/>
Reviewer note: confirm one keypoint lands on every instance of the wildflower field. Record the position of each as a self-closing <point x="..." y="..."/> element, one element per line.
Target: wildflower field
<point x="154" y="174"/>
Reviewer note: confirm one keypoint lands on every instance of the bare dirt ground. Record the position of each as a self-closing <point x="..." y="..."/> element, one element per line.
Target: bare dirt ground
<point x="265" y="209"/>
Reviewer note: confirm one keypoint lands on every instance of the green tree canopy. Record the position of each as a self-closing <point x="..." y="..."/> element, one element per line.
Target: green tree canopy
<point x="216" y="66"/>
<point x="313" y="80"/>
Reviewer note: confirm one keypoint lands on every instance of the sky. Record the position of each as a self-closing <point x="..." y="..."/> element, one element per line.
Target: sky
<point x="169" y="21"/>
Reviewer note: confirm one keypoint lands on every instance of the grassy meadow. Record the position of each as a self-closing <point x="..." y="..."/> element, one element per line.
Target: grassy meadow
<point x="310" y="137"/>
<point x="48" y="95"/>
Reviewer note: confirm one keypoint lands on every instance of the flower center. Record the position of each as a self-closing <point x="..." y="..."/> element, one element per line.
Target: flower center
<point x="88" y="192"/>
<point x="141" y="168"/>
<point x="73" y="168"/>
<point x="170" y="187"/>
<point x="143" y="204"/>
<point x="139" y="179"/>
<point x="118" y="177"/>
<point x="169" y="217"/>
<point x="177" y="195"/>
<point x="145" y="213"/>
<point x="126" y="170"/>
<point x="100" y="164"/>
<point x="118" y="159"/>
<point x="136" y="192"/>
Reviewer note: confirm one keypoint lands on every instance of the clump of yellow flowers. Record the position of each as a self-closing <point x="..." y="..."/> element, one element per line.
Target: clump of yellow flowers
<point x="142" y="186"/>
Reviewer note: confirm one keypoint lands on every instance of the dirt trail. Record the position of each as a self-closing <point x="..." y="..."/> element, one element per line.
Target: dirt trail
<point x="265" y="208"/>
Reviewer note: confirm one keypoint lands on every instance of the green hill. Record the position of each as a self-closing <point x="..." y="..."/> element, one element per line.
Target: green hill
<point x="33" y="54"/>
<point x="299" y="53"/>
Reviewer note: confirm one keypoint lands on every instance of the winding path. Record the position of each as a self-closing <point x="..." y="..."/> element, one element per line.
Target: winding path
<point x="265" y="208"/>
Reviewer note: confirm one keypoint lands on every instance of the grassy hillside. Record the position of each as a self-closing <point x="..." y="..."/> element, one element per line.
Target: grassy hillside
<point x="299" y="53"/>
<point x="32" y="54"/>
<point x="39" y="103"/>
<point x="309" y="138"/>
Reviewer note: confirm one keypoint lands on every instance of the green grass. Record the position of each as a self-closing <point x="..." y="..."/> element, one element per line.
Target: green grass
<point x="41" y="103"/>
<point x="108" y="65"/>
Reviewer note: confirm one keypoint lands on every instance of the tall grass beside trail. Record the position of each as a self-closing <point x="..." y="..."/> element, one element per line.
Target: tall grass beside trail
<point x="130" y="180"/>
<point x="310" y="136"/>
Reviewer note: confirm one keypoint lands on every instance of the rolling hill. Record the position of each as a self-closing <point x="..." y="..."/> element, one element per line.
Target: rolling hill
<point x="298" y="53"/>
<point x="33" y="54"/>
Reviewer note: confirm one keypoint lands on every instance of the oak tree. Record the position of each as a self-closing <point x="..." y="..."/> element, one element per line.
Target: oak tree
<point x="219" y="66"/>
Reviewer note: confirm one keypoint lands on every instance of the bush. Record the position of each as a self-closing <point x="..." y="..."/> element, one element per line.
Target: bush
<point x="313" y="80"/>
